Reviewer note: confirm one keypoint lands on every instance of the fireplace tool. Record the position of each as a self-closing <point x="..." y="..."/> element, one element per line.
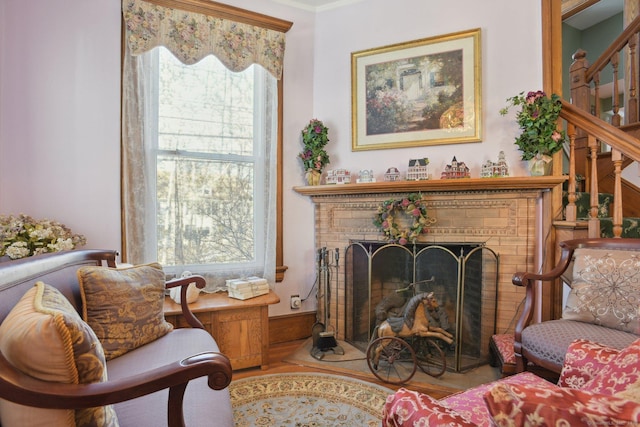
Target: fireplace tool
<point x="324" y="340"/>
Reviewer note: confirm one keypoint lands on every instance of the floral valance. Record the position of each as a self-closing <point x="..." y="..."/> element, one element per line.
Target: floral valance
<point x="191" y="36"/>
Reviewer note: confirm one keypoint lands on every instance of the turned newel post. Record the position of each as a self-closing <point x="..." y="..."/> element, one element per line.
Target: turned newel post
<point x="580" y="97"/>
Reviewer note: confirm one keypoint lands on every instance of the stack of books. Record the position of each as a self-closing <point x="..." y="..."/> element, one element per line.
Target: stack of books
<point x="249" y="287"/>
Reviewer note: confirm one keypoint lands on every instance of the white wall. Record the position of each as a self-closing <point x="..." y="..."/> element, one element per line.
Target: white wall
<point x="60" y="88"/>
<point x="59" y="114"/>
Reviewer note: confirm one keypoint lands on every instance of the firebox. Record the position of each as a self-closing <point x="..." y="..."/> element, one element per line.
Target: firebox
<point x="462" y="276"/>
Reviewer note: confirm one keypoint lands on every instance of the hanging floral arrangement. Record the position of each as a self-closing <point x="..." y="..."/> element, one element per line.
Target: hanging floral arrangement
<point x="389" y="212"/>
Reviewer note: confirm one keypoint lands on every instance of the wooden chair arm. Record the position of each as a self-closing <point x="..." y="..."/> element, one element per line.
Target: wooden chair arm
<point x="26" y="390"/>
<point x="529" y="280"/>
<point x="184" y="282"/>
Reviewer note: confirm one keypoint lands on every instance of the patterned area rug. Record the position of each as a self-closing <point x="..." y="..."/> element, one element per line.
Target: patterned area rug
<point x="306" y="400"/>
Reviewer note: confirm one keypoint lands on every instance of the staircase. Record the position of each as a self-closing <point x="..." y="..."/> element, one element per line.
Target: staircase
<point x="630" y="225"/>
<point x="599" y="151"/>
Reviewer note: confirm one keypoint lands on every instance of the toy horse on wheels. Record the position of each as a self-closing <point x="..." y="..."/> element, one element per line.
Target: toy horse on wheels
<point x="392" y="358"/>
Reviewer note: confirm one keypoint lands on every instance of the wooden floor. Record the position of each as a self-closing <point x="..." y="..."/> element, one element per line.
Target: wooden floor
<point x="278" y="352"/>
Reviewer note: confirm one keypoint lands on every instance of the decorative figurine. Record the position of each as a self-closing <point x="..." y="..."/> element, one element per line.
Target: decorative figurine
<point x="418" y="169"/>
<point x="455" y="170"/>
<point x="365" y="175"/>
<point x="495" y="169"/>
<point x="392" y="174"/>
<point x="338" y="176"/>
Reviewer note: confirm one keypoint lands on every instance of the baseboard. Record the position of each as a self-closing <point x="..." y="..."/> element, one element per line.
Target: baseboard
<point x="291" y="327"/>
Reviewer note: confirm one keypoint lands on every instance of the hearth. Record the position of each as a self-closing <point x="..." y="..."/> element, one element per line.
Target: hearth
<point x="463" y="277"/>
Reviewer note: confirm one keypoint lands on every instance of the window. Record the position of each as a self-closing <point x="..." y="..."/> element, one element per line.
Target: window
<point x="208" y="158"/>
<point x="200" y="143"/>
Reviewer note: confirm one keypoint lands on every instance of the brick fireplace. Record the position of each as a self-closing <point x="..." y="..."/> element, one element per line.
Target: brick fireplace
<point x="504" y="214"/>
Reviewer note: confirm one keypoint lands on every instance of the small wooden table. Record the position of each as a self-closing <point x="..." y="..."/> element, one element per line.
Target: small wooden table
<point x="240" y="327"/>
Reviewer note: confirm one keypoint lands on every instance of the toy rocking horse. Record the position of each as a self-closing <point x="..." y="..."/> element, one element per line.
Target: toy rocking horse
<point x="414" y="322"/>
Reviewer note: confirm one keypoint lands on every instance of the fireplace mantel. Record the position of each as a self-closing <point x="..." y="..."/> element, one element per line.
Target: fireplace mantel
<point x="505" y="214"/>
<point x="435" y="185"/>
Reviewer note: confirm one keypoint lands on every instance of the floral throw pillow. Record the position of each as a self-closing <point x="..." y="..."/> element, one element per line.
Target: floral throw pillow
<point x="124" y="306"/>
<point x="583" y="361"/>
<point x="512" y="405"/>
<point x="605" y="289"/>
<point x="410" y="408"/>
<point x="620" y="373"/>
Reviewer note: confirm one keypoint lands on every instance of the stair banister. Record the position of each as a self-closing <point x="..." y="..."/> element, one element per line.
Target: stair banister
<point x="616" y="46"/>
<point x="602" y="130"/>
<point x="597" y="130"/>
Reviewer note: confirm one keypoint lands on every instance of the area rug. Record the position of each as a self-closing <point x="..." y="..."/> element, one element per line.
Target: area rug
<point x="306" y="400"/>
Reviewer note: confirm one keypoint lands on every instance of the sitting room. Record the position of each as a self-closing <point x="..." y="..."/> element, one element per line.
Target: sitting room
<point x="212" y="213"/>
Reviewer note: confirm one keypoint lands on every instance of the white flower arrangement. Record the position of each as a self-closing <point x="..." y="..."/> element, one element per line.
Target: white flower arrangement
<point x="22" y="236"/>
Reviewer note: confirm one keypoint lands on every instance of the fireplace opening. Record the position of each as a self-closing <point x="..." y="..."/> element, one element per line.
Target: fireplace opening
<point x="462" y="276"/>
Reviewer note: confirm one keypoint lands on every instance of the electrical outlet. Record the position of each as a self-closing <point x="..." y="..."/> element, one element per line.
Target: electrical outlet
<point x="295" y="302"/>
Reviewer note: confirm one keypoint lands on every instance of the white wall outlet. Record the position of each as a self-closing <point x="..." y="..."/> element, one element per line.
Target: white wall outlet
<point x="295" y="301"/>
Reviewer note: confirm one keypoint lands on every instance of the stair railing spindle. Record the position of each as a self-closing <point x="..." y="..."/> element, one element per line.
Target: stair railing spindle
<point x="571" y="212"/>
<point x="615" y="119"/>
<point x="616" y="157"/>
<point x="594" y="222"/>
<point x="631" y="115"/>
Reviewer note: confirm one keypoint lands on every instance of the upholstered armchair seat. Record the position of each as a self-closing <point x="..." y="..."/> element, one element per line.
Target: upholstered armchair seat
<point x="547" y="342"/>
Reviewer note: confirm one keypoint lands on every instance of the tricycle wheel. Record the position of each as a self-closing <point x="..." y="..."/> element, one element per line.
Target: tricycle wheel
<point x="430" y="356"/>
<point x="391" y="360"/>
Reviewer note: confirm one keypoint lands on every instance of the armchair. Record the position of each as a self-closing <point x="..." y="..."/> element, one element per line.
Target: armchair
<point x="602" y="306"/>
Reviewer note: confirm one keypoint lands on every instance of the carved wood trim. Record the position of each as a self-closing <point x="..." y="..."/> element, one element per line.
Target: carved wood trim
<point x="446" y="185"/>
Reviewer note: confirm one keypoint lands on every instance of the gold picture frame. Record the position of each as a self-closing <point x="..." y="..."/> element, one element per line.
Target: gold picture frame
<point x="419" y="93"/>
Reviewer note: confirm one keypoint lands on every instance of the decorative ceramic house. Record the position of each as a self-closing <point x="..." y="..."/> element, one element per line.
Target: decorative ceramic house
<point x="455" y="170"/>
<point x="495" y="169"/>
<point x="392" y="174"/>
<point x="365" y="175"/>
<point x="418" y="169"/>
<point x="338" y="176"/>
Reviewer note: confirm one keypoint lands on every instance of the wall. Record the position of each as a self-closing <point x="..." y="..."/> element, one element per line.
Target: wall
<point x="59" y="103"/>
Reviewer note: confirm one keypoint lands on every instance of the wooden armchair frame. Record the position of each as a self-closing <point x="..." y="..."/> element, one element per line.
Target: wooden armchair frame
<point x="26" y="390"/>
<point x="530" y="281"/>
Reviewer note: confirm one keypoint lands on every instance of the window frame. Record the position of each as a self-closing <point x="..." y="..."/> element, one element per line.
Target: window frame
<point x="220" y="10"/>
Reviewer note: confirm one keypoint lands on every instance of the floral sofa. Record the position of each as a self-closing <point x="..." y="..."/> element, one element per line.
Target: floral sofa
<point x="598" y="386"/>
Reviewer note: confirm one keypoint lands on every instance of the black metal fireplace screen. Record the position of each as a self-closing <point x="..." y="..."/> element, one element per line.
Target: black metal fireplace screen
<point x="463" y="277"/>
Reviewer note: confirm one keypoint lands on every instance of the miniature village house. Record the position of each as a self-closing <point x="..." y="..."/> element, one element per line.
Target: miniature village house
<point x="338" y="176"/>
<point x="455" y="170"/>
<point x="495" y="169"/>
<point x="392" y="174"/>
<point x="418" y="169"/>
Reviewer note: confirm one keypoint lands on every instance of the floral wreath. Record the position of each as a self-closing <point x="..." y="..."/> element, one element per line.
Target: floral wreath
<point x="412" y="205"/>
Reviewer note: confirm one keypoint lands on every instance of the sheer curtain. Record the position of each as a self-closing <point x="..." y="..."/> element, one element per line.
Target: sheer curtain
<point x="190" y="37"/>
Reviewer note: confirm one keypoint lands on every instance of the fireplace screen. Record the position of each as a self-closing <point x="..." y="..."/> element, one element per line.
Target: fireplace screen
<point x="462" y="276"/>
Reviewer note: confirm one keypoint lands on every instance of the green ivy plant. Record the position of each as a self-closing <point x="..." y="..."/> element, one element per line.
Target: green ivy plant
<point x="537" y="118"/>
<point x="314" y="137"/>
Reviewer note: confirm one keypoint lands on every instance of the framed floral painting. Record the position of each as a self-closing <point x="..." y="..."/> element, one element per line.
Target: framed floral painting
<point x="423" y="92"/>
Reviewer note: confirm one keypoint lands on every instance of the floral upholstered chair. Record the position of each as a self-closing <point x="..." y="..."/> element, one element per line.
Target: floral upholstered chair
<point x="602" y="304"/>
<point x="598" y="386"/>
